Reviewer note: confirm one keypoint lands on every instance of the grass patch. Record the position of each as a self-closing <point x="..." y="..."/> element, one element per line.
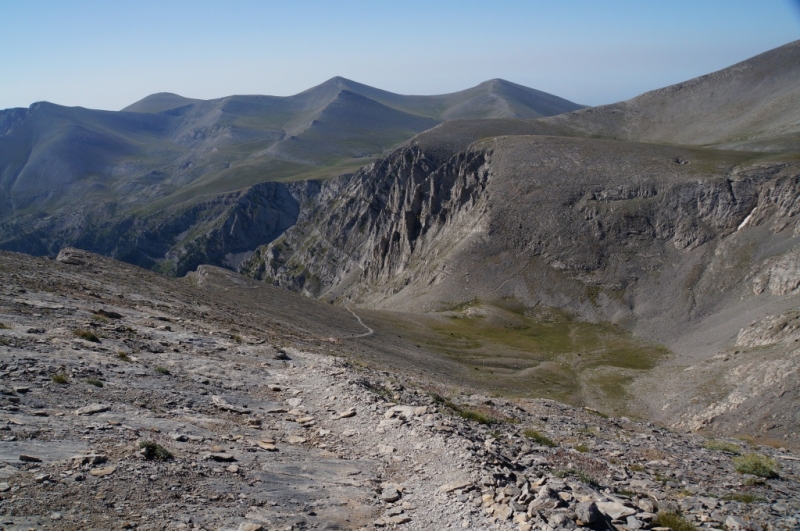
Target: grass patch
<point x="162" y="370"/>
<point x="722" y="446"/>
<point x="743" y="497"/>
<point x="597" y="413"/>
<point x="155" y="451"/>
<point x="582" y="448"/>
<point x="757" y="465"/>
<point x="514" y="350"/>
<point x="474" y="416"/>
<point x="60" y="378"/>
<point x="636" y="468"/>
<point x="464" y="413"/>
<point x="101" y="319"/>
<point x="539" y="438"/>
<point x="4" y="326"/>
<point x="94" y="381"/>
<point x="237" y="338"/>
<point x="123" y="356"/>
<point x="674" y="521"/>
<point x="86" y="335"/>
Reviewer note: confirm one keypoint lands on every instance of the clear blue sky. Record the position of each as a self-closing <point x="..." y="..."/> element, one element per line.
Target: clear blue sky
<point x="107" y="54"/>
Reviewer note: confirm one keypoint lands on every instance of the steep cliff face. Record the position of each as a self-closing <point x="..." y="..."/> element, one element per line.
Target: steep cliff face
<point x="373" y="226"/>
<point x="592" y="216"/>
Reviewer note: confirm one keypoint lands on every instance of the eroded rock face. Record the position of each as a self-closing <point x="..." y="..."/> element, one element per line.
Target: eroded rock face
<point x="545" y="205"/>
<point x="784" y="328"/>
<point x="780" y="276"/>
<point x="374" y="224"/>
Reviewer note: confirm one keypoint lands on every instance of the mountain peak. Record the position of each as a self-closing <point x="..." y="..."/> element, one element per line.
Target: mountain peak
<point x="158" y="102"/>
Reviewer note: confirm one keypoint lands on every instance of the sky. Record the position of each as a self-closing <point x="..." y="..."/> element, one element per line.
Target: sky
<point x="107" y="55"/>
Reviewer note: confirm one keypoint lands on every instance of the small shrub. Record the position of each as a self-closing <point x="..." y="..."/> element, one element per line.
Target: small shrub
<point x="582" y="448"/>
<point x="155" y="451"/>
<point x="468" y="414"/>
<point x="595" y="412"/>
<point x="722" y="446"/>
<point x="539" y="438"/>
<point x="123" y="356"/>
<point x="4" y="326"/>
<point x="743" y="497"/>
<point x="580" y="475"/>
<point x="475" y="416"/>
<point x="108" y="314"/>
<point x="757" y="465"/>
<point x="162" y="370"/>
<point x="673" y="520"/>
<point x="87" y="335"/>
<point x="60" y="378"/>
<point x="101" y="319"/>
<point x="94" y="381"/>
<point x="636" y="467"/>
<point x="237" y="338"/>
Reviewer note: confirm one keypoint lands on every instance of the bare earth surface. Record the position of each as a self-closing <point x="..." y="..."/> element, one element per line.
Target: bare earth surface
<point x="268" y="425"/>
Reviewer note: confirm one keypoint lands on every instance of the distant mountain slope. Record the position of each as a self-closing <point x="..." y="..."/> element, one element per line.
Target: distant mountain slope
<point x="754" y="104"/>
<point x="105" y="180"/>
<point x="495" y="98"/>
<point x="161" y="101"/>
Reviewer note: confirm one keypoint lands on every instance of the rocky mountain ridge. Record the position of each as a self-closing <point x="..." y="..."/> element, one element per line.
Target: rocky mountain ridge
<point x="100" y="180"/>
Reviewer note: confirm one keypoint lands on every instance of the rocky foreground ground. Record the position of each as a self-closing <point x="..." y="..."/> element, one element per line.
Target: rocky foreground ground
<point x="131" y="401"/>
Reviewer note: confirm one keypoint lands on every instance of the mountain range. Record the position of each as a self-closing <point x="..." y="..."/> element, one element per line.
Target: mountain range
<point x="144" y="183"/>
<point x="638" y="258"/>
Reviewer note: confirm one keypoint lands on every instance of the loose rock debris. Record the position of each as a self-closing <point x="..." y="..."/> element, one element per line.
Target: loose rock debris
<point x="311" y="442"/>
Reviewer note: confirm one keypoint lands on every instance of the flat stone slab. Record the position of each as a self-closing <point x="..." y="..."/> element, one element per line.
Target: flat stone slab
<point x="47" y="452"/>
<point x="93" y="409"/>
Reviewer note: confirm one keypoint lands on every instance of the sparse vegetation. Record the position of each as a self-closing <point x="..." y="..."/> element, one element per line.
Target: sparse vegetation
<point x="153" y="450"/>
<point x="673" y="520"/>
<point x="162" y="370"/>
<point x="237" y="338"/>
<point x="539" y="438"/>
<point x="756" y="464"/>
<point x="86" y="335"/>
<point x="722" y="446"/>
<point x="580" y="475"/>
<point x="636" y="467"/>
<point x="108" y="314"/>
<point x="60" y="378"/>
<point x="94" y="381"/>
<point x="468" y="414"/>
<point x="123" y="356"/>
<point x="595" y="412"/>
<point x="4" y="326"/>
<point x="582" y="448"/>
<point x="742" y="497"/>
<point x="475" y="416"/>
